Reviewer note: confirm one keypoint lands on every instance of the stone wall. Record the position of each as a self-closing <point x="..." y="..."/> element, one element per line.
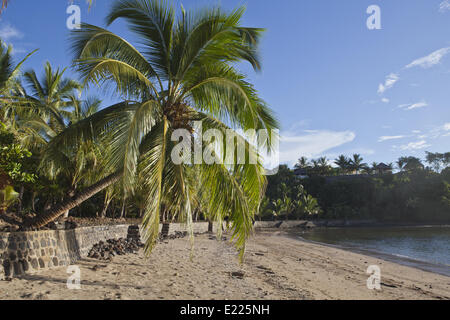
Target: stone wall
<point x="28" y="252"/>
<point x="25" y="252"/>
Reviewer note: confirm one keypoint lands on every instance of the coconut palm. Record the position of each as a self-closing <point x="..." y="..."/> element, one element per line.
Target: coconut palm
<point x="305" y="203"/>
<point x="184" y="73"/>
<point x="302" y="163"/>
<point x="401" y="162"/>
<point x="343" y="163"/>
<point x="46" y="110"/>
<point x="320" y="167"/>
<point x="356" y="163"/>
<point x="9" y="81"/>
<point x="323" y="162"/>
<point x="373" y="168"/>
<point x="277" y="208"/>
<point x="310" y="205"/>
<point x="49" y="108"/>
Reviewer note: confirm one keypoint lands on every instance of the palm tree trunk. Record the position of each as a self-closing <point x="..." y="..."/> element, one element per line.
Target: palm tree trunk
<point x="70" y="194"/>
<point x="52" y="214"/>
<point x="20" y="202"/>
<point x="210" y="227"/>
<point x="122" y="213"/>
<point x="105" y="208"/>
<point x="33" y="200"/>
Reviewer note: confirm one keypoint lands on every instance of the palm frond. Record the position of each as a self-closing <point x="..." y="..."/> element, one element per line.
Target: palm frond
<point x="153" y="22"/>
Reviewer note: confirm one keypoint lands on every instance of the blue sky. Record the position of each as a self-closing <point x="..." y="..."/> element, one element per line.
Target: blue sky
<point x="336" y="86"/>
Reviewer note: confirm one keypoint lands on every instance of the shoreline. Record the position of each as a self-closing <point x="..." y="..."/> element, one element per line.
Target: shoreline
<point x="276" y="267"/>
<point x="440" y="269"/>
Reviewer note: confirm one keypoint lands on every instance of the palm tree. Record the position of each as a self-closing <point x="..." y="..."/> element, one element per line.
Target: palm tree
<point x="277" y="208"/>
<point x="325" y="168"/>
<point x="323" y="162"/>
<point x="302" y="163"/>
<point x="343" y="163"/>
<point x="310" y="205"/>
<point x="184" y="74"/>
<point x="374" y="167"/>
<point x="356" y="163"/>
<point x="47" y="110"/>
<point x="264" y="209"/>
<point x="305" y="203"/>
<point x="401" y="162"/>
<point x="288" y="206"/>
<point x="9" y="82"/>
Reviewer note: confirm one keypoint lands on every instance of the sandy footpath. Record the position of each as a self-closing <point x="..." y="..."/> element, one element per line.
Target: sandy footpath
<point x="276" y="267"/>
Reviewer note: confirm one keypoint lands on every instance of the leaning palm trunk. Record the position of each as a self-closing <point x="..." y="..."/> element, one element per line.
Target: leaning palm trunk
<point x="54" y="213"/>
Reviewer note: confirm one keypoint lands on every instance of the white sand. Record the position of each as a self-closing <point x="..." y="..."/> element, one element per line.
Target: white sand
<point x="276" y="267"/>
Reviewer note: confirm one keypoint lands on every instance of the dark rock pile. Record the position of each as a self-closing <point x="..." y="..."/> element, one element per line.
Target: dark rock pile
<point x="176" y="235"/>
<point x="107" y="250"/>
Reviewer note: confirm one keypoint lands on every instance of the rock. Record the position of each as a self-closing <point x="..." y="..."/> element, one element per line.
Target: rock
<point x="238" y="274"/>
<point x="177" y="235"/>
<point x="36" y="296"/>
<point x="388" y="285"/>
<point x="112" y="247"/>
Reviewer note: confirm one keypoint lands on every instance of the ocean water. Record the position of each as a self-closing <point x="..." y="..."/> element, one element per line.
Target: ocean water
<point x="424" y="247"/>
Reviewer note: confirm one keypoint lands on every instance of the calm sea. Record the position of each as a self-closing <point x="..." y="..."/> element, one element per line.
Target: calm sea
<point x="424" y="247"/>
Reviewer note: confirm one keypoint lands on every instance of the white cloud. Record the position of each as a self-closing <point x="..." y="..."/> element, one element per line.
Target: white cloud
<point x="388" y="83"/>
<point x="413" y="106"/>
<point x="385" y="100"/>
<point x="430" y="60"/>
<point x="8" y="32"/>
<point x="417" y="145"/>
<point x="362" y="151"/>
<point x="311" y="131"/>
<point x="312" y="144"/>
<point x="444" y="6"/>
<point x="386" y="138"/>
<point x="439" y="131"/>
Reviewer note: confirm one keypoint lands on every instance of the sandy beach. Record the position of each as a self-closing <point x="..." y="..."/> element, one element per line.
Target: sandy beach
<point x="276" y="267"/>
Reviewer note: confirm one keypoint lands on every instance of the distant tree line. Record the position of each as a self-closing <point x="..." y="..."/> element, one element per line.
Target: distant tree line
<point x="412" y="190"/>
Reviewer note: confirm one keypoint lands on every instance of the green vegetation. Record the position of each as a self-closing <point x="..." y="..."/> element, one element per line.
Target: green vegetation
<point x="7" y="197"/>
<point x="352" y="190"/>
<point x="116" y="160"/>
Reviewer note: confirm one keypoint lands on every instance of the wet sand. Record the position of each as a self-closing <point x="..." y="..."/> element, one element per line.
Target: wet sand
<point x="276" y="267"/>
